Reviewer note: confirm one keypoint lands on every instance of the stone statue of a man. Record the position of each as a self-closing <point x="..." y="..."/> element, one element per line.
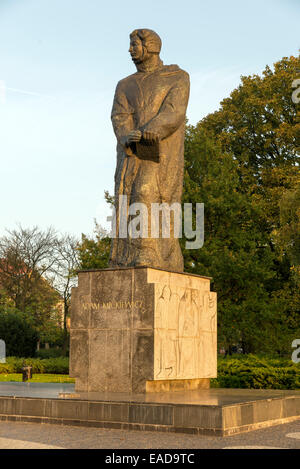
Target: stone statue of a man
<point x="149" y="112"/>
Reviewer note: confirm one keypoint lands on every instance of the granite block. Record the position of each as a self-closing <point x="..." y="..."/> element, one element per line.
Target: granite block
<point x="151" y="414"/>
<point x="133" y="325"/>
<point x="201" y="417"/>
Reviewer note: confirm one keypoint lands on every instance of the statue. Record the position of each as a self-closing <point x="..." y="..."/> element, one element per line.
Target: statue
<point x="152" y="329"/>
<point x="148" y="118"/>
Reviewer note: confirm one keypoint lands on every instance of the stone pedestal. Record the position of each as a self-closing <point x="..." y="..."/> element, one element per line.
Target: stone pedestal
<point x="142" y="329"/>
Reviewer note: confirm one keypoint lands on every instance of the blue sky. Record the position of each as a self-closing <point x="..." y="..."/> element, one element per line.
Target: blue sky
<point x="60" y="61"/>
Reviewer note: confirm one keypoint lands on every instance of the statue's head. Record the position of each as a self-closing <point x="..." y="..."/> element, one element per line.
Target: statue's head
<point x="143" y="44"/>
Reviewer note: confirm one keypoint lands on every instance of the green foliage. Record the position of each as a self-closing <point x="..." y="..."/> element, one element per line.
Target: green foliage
<point x="19" y="335"/>
<point x="25" y="256"/>
<point x="36" y="277"/>
<point x="38" y="378"/>
<point x="287" y="236"/>
<point x="235" y="252"/>
<point x="254" y="372"/>
<point x="59" y="365"/>
<point x="50" y="353"/>
<point x="259" y="122"/>
<point x="94" y="252"/>
<point x="52" y="333"/>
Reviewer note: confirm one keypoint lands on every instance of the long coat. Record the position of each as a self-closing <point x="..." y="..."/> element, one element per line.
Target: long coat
<point x="156" y="102"/>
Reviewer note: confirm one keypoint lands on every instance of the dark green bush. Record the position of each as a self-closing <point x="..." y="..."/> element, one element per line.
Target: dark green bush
<point x="49" y="353"/>
<point x="250" y="371"/>
<point x="19" y="336"/>
<point x="254" y="372"/>
<point x="58" y="365"/>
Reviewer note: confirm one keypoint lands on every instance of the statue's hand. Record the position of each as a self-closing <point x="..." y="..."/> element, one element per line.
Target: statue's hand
<point x="150" y="137"/>
<point x="134" y="136"/>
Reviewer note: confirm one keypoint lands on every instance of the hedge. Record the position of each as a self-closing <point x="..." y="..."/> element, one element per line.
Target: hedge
<point x="50" y="353"/>
<point x="239" y="371"/>
<point x="58" y="365"/>
<point x="19" y="336"/>
<point x="254" y="372"/>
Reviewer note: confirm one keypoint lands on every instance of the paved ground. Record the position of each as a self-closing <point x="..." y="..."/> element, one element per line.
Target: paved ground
<point x="19" y="435"/>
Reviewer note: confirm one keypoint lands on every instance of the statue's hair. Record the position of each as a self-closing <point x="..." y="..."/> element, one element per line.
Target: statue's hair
<point x="150" y="39"/>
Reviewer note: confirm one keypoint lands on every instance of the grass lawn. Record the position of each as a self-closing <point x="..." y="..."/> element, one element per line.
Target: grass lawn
<point x="38" y="378"/>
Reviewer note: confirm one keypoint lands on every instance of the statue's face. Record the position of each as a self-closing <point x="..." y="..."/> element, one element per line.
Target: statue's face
<point x="136" y="50"/>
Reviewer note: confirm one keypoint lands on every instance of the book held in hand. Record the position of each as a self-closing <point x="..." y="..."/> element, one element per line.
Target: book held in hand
<point x="145" y="151"/>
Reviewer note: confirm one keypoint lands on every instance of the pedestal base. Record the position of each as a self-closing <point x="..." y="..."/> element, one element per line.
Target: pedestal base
<point x="215" y="412"/>
<point x="138" y="329"/>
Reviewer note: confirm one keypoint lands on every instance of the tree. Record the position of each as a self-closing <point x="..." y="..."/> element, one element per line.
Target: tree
<point x="234" y="252"/>
<point x="19" y="335"/>
<point x="26" y="257"/>
<point x="259" y="122"/>
<point x="65" y="279"/>
<point x="241" y="161"/>
<point x="287" y="236"/>
<point x="94" y="252"/>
